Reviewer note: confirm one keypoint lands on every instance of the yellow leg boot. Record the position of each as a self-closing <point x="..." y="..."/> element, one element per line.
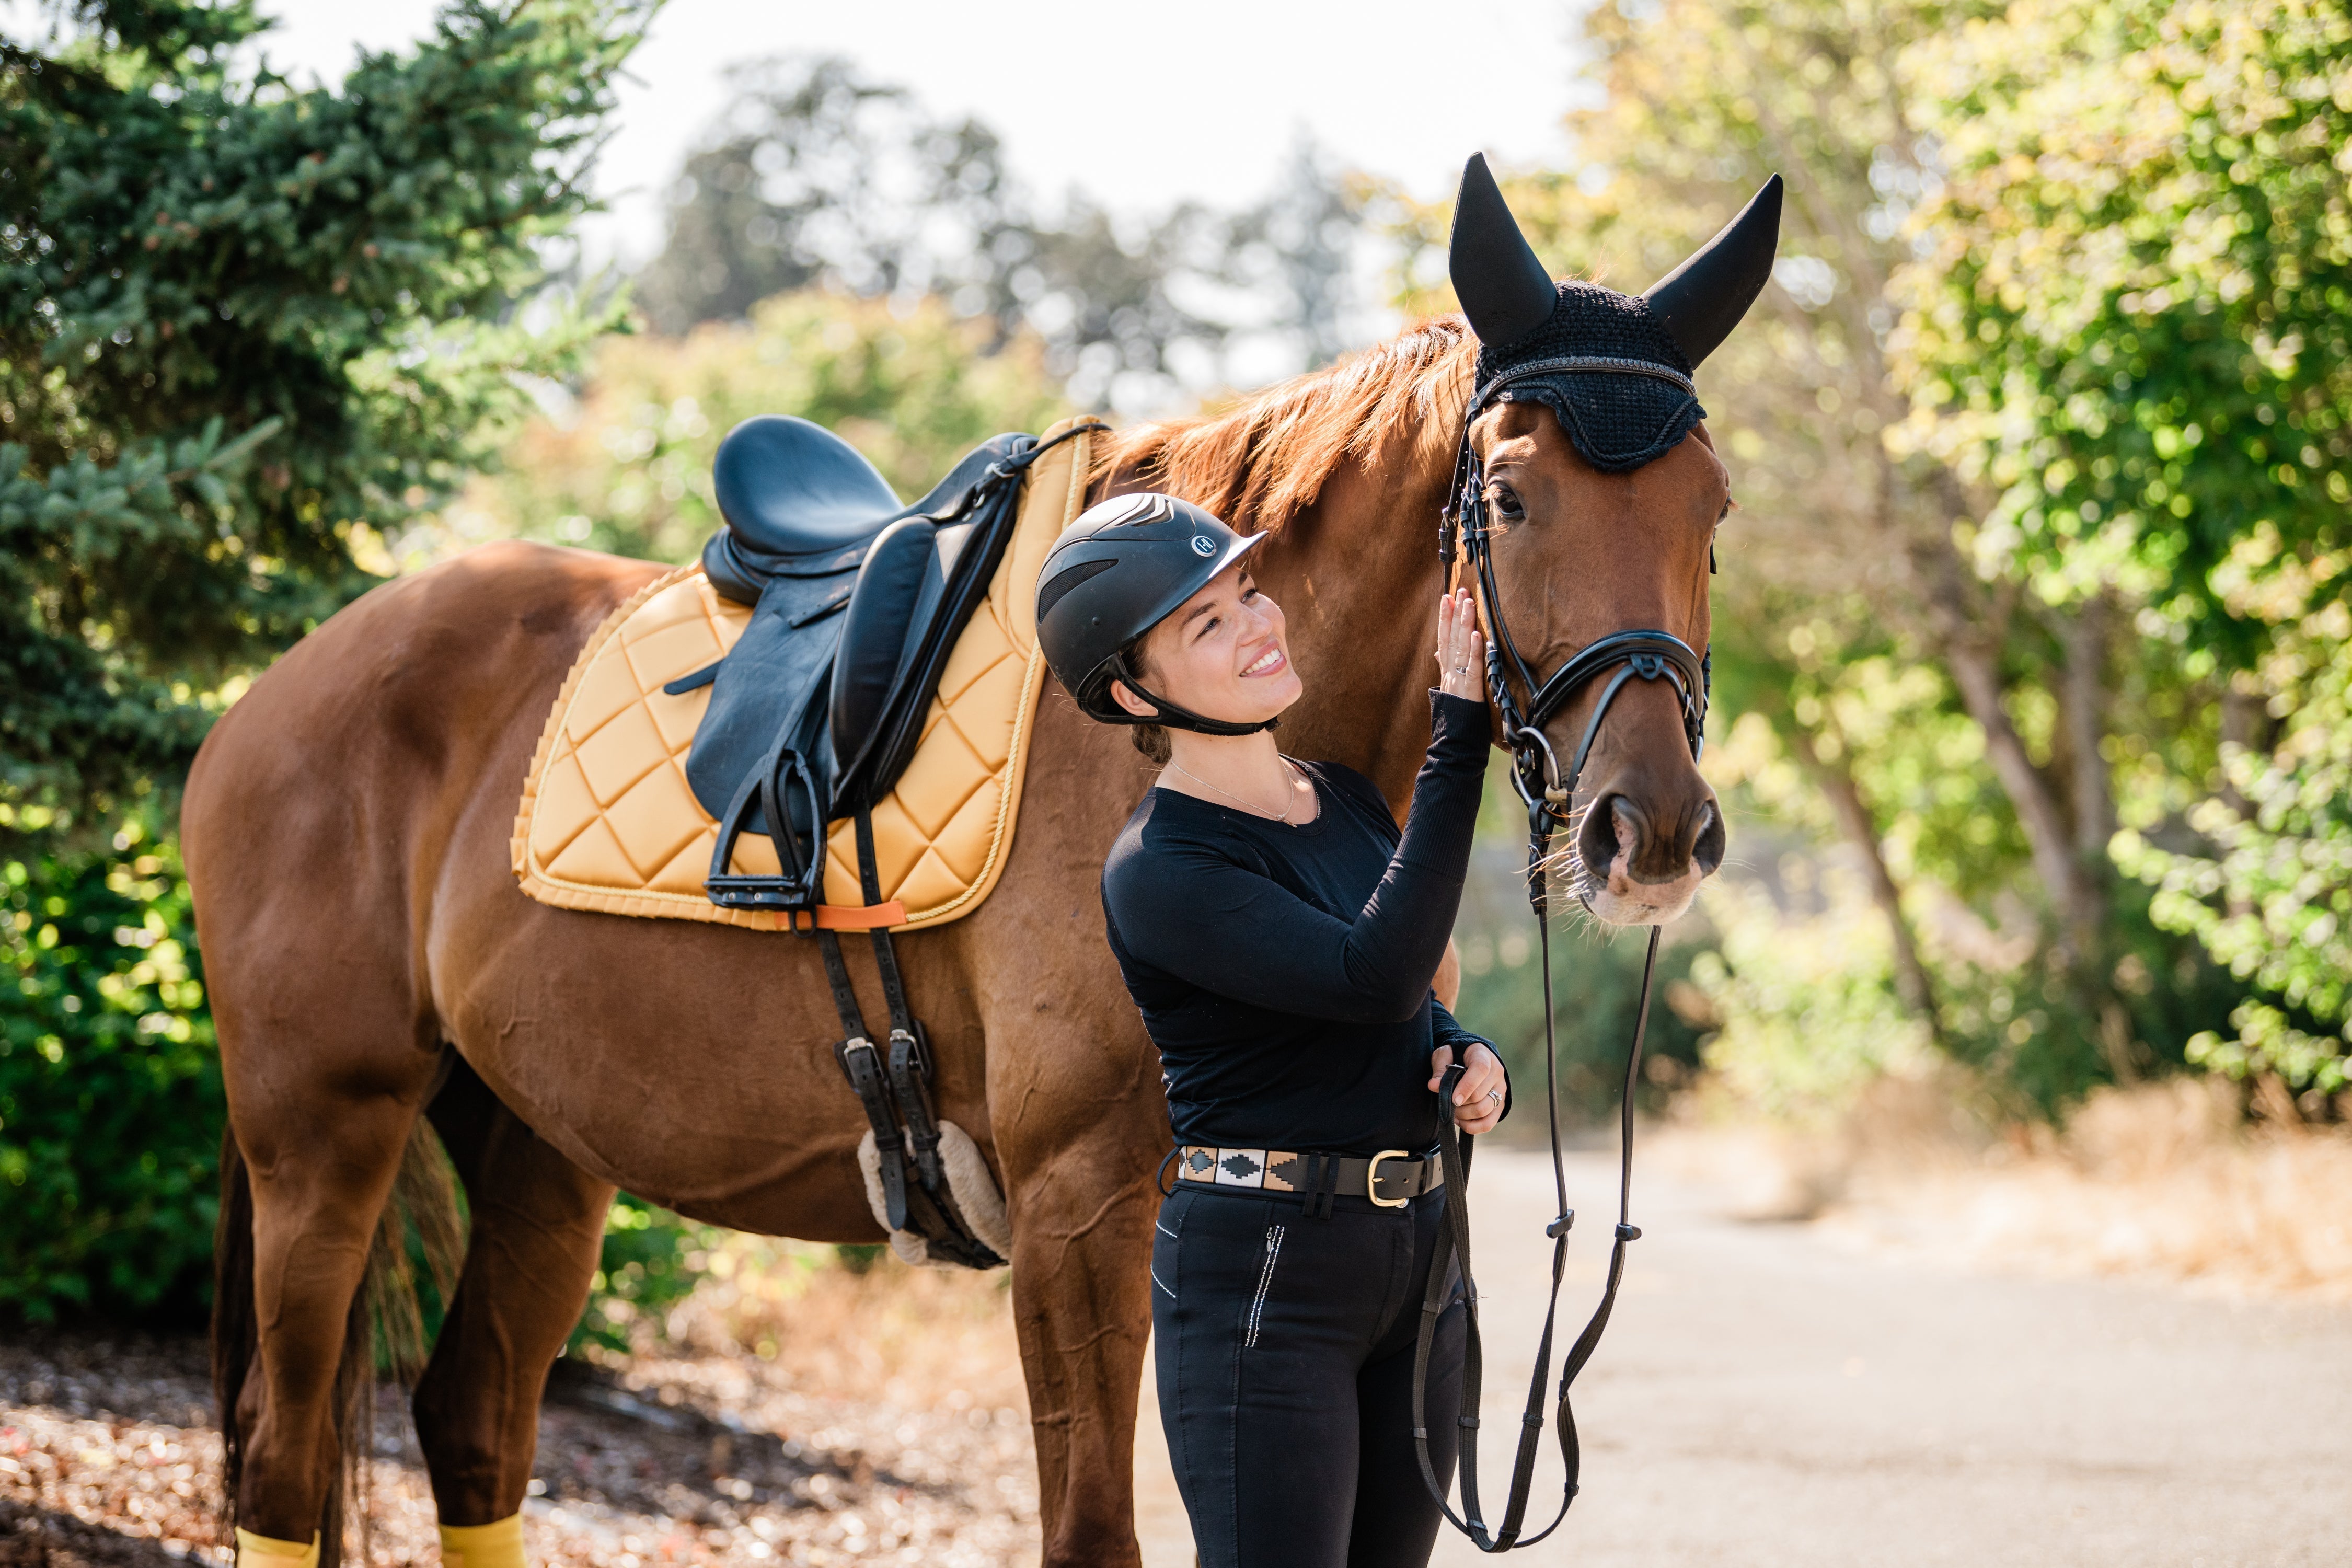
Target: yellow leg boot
<point x="498" y="1546"/>
<point x="260" y="1551"/>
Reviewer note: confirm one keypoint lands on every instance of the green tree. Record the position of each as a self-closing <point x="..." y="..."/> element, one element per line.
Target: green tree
<point x="1976" y="720"/>
<point x="625" y="465"/>
<point x="242" y="325"/>
<point x="2270" y="891"/>
<point x="244" y="328"/>
<point x="2132" y="326"/>
<point x="109" y="1083"/>
<point x="813" y="174"/>
<point x="2133" y="320"/>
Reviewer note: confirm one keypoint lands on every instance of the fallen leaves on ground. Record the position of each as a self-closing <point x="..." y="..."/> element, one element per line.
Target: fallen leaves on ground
<point x="705" y="1453"/>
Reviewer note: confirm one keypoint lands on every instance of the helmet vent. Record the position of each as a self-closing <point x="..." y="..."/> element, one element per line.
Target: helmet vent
<point x="1052" y="592"/>
<point x="1150" y="506"/>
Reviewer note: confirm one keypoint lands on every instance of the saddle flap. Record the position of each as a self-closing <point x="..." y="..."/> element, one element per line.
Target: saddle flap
<point x="768" y="680"/>
<point x="896" y="671"/>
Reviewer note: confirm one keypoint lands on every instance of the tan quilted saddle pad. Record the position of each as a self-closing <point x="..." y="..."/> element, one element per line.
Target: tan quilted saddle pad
<point x="608" y="823"/>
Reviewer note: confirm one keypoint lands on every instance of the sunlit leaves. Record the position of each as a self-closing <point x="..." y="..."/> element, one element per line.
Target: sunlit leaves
<point x="625" y="465"/>
<point x="2137" y="277"/>
<point x="240" y="320"/>
<point x="2268" y="889"/>
<point x="110" y="1084"/>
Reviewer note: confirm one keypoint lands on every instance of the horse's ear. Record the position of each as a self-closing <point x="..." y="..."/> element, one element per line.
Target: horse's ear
<point x="1701" y="301"/>
<point x="1503" y="288"/>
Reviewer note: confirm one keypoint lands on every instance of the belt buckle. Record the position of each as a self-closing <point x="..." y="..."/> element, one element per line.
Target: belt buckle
<point x="1372" y="1179"/>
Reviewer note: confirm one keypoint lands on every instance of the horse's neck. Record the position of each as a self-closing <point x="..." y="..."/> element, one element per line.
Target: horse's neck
<point x="1358" y="579"/>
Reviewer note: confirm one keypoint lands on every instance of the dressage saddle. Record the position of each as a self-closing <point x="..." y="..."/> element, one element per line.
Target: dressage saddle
<point x="857" y="600"/>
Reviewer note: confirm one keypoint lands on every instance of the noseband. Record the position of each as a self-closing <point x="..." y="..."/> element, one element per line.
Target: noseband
<point x="1648" y="654"/>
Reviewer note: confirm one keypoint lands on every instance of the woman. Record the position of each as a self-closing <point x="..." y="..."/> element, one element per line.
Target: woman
<point x="1279" y="936"/>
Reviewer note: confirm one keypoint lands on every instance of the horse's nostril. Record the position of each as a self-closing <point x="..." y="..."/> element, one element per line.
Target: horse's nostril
<point x="1609" y="826"/>
<point x="1707" y="853"/>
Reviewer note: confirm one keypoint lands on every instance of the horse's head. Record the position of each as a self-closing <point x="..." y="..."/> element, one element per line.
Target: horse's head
<point x="1591" y="498"/>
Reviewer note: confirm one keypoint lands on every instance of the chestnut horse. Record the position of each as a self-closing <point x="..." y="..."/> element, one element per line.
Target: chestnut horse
<point x="373" y="961"/>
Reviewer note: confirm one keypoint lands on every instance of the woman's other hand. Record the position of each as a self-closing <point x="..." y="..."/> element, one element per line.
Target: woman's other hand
<point x="1461" y="647"/>
<point x="1478" y="1098"/>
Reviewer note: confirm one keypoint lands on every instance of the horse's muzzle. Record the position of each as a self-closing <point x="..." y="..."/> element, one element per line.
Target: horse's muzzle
<point x="1638" y="872"/>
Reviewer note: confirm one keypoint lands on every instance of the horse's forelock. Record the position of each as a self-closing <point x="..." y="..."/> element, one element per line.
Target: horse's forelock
<point x="1261" y="461"/>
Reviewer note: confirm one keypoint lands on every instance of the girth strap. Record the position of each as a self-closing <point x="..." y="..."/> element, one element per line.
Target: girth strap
<point x="897" y="1089"/>
<point x="910" y="1064"/>
<point x="861" y="1064"/>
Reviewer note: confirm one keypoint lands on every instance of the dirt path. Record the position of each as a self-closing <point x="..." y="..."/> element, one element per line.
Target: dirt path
<point x="1765" y="1397"/>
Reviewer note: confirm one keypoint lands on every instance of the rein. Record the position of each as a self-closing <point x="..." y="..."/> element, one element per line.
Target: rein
<point x="1641" y="653"/>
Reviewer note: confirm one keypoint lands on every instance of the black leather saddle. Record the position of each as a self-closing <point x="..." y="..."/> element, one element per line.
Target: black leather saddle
<point x="799" y="501"/>
<point x="857" y="602"/>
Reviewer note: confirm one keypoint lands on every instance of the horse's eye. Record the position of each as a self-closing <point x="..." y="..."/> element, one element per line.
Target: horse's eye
<point x="1506" y="502"/>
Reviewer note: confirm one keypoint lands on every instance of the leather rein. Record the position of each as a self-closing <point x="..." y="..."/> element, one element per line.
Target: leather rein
<point x="1643" y="653"/>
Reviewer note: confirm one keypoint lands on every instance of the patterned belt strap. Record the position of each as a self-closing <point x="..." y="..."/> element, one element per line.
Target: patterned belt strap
<point x="1390" y="1178"/>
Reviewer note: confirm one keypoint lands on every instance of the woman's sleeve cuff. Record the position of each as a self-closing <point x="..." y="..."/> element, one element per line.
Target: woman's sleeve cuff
<point x="1459" y="727"/>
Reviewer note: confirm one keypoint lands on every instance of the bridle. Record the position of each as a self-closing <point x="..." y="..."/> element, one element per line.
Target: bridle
<point x="1652" y="655"/>
<point x="1645" y="654"/>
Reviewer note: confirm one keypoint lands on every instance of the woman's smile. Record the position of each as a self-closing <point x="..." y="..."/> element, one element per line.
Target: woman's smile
<point x="1271" y="661"/>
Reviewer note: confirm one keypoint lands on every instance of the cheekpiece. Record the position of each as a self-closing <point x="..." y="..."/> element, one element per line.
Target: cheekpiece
<point x="1608" y="368"/>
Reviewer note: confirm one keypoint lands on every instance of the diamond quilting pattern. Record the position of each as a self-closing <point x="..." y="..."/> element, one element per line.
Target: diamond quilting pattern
<point x="940" y="779"/>
<point x="608" y="692"/>
<point x="625" y="749"/>
<point x="565" y="807"/>
<point x="608" y="823"/>
<point x="656" y="819"/>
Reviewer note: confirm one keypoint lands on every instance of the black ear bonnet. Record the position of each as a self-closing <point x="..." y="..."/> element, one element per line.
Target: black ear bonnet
<point x="1616" y="421"/>
<point x="1615" y="368"/>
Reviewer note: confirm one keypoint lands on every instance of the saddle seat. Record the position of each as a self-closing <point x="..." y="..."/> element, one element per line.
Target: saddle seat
<point x="799" y="501"/>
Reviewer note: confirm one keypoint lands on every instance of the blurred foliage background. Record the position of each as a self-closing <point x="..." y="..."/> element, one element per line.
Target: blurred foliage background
<point x="2032" y="714"/>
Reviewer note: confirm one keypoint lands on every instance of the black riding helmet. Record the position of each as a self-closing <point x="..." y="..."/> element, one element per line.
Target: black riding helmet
<point x="1122" y="568"/>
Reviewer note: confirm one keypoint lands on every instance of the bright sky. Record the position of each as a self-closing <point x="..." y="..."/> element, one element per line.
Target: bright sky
<point x="1140" y="105"/>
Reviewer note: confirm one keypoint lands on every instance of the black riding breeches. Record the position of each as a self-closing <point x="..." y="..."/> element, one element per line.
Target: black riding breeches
<point x="1284" y="1348"/>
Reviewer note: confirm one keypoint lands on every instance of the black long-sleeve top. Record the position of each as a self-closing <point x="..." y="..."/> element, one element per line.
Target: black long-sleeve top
<point x="1284" y="972"/>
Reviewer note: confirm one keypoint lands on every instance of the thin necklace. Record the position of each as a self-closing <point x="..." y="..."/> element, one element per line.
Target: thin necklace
<point x="1284" y="818"/>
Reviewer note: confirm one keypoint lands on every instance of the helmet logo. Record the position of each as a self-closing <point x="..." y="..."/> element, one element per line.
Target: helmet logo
<point x="1203" y="545"/>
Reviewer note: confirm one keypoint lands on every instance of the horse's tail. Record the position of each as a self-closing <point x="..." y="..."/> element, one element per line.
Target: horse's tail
<point x="423" y="1224"/>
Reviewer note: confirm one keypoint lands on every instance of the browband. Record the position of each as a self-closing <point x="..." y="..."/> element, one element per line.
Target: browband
<point x="1605" y="363"/>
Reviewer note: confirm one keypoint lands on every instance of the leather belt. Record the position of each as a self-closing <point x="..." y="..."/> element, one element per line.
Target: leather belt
<point x="1390" y="1178"/>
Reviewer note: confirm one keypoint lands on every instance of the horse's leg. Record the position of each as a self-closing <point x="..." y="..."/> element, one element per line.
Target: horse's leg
<point x="321" y="1157"/>
<point x="1077" y="1123"/>
<point x="538" y="1221"/>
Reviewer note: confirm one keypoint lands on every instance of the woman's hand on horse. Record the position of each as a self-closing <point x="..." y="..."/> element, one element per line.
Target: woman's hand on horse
<point x="1478" y="1098"/>
<point x="1461" y="647"/>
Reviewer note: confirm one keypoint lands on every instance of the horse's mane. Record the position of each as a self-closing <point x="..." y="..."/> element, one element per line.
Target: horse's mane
<point x="1261" y="461"/>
